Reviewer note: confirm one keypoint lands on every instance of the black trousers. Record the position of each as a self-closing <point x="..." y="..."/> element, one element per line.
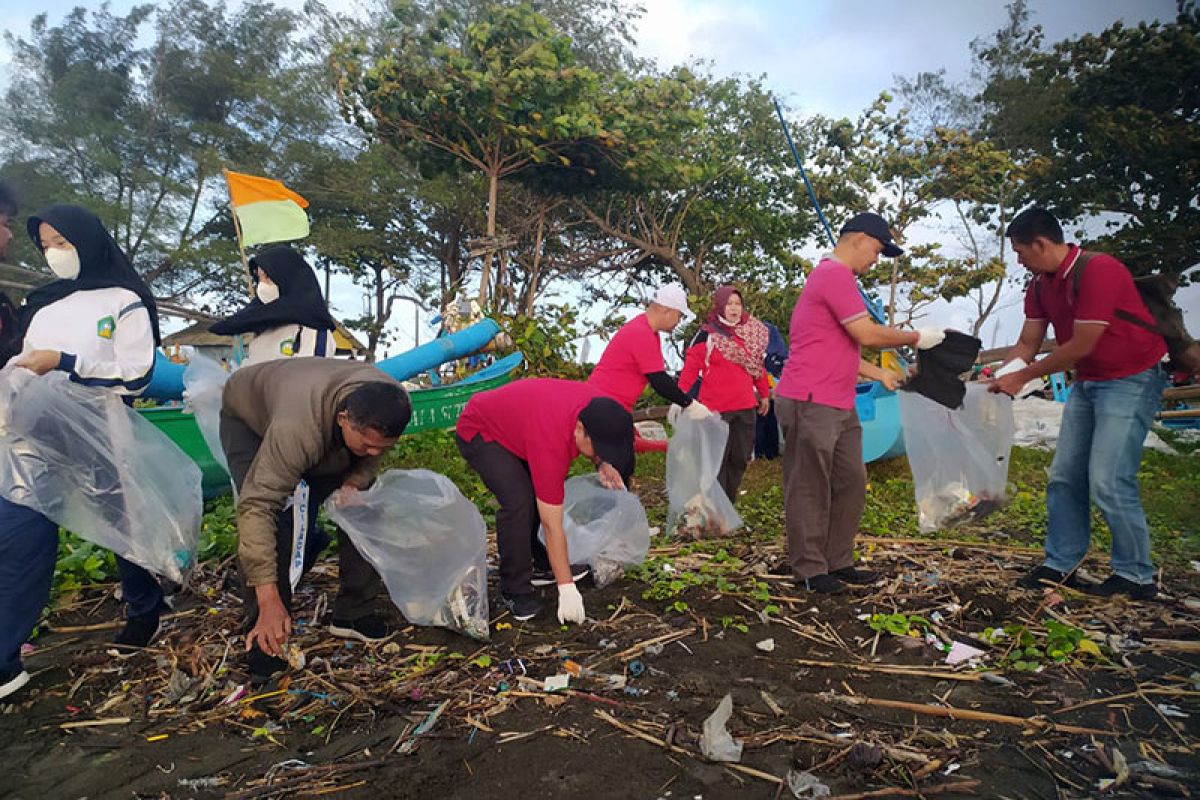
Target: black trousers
<point x="738" y="449"/>
<point x="359" y="584"/>
<point x="507" y="477"/>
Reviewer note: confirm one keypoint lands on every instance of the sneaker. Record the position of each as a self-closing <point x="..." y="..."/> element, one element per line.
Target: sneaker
<point x="11" y="681"/>
<point x="1044" y="575"/>
<point x="371" y="628"/>
<point x="545" y="577"/>
<point x="138" y="631"/>
<point x="523" y="607"/>
<point x="262" y="666"/>
<point x="855" y="575"/>
<point x="1115" y="584"/>
<point x="824" y="584"/>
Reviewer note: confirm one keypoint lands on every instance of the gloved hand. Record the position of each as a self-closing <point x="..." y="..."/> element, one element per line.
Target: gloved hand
<point x="570" y="604"/>
<point x="930" y="337"/>
<point x="673" y="414"/>
<point x="697" y="411"/>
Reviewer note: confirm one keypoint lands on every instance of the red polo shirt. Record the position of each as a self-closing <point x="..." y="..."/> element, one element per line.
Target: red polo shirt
<point x="632" y="354"/>
<point x="534" y="419"/>
<point x="1106" y="287"/>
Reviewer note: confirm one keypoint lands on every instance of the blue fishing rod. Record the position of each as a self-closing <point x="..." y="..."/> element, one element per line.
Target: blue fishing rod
<point x="873" y="306"/>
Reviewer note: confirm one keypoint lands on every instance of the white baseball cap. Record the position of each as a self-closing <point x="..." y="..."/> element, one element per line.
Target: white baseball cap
<point x="672" y="295"/>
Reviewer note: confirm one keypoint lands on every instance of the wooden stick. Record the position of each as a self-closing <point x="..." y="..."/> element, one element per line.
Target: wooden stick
<point x="1175" y="645"/>
<point x="632" y="731"/>
<point x="894" y="669"/>
<point x="974" y="716"/>
<point x="960" y="786"/>
<point x="632" y="652"/>
<point x="108" y="626"/>
<point x="95" y="723"/>
<point x="1127" y="696"/>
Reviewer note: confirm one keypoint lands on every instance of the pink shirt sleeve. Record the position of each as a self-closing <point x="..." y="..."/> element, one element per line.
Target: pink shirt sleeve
<point x="548" y="468"/>
<point x="840" y="294"/>
<point x="1098" y="290"/>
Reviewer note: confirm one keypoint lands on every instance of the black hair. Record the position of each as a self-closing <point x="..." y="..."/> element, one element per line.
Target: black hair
<point x="8" y="200"/>
<point x="1032" y="223"/>
<point x="380" y="406"/>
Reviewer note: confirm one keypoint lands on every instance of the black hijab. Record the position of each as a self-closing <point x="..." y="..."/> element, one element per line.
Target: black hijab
<point x="102" y="265"/>
<point x="300" y="300"/>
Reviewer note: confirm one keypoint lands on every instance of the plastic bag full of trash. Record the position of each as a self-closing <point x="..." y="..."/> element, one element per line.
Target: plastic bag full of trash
<point x="959" y="459"/>
<point x="697" y="506"/>
<point x="204" y="380"/>
<point x="606" y="528"/>
<point x="93" y="465"/>
<point x="429" y="545"/>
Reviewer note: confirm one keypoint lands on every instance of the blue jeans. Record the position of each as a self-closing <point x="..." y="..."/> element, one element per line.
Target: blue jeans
<point x="1099" y="452"/>
<point x="28" y="551"/>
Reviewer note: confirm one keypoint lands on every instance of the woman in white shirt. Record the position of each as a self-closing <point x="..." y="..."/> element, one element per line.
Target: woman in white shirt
<point x="99" y="324"/>
<point x="288" y="316"/>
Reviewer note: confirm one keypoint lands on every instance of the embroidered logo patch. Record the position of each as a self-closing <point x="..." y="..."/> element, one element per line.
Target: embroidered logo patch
<point x="106" y="327"/>
<point x="287" y="347"/>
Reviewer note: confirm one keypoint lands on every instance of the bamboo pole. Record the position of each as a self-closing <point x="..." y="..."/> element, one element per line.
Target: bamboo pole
<point x="972" y="716"/>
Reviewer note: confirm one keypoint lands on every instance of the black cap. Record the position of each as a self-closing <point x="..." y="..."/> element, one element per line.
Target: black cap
<point x="876" y="227"/>
<point x="610" y="427"/>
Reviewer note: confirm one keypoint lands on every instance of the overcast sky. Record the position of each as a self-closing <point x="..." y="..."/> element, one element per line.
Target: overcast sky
<point x="822" y="56"/>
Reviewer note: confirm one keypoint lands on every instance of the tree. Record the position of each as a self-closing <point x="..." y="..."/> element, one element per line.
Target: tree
<point x="1112" y="122"/>
<point x="508" y="96"/>
<point x="139" y="132"/>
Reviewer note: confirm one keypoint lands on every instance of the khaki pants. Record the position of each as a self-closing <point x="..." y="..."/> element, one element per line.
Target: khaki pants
<point x="824" y="485"/>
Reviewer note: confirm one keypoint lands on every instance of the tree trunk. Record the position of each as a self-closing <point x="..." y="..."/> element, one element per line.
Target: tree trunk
<point x="531" y="291"/>
<point x="485" y="278"/>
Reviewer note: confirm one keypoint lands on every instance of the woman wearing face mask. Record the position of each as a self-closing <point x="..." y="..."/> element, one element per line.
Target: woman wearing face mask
<point x="99" y="324"/>
<point x="288" y="316"/>
<point x="726" y="359"/>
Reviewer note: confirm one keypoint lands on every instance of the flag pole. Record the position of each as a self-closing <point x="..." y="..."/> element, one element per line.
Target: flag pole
<point x="237" y="229"/>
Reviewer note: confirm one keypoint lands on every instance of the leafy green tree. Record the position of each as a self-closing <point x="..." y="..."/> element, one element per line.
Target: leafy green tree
<point x="1112" y="121"/>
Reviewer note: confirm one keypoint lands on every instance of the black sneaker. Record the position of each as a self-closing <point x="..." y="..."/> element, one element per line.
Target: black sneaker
<point x="1043" y="575"/>
<point x="1115" y="584"/>
<point x="371" y="628"/>
<point x="824" y="584"/>
<point x="855" y="575"/>
<point x="523" y="607"/>
<point x="138" y="631"/>
<point x="545" y="577"/>
<point x="262" y="666"/>
<point x="11" y="681"/>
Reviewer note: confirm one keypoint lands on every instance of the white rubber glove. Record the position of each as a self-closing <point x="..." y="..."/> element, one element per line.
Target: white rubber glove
<point x="930" y="337"/>
<point x="570" y="604"/>
<point x="673" y="414"/>
<point x="697" y="411"/>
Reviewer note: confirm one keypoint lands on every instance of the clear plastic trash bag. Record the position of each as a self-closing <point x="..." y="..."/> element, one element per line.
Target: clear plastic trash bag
<point x="959" y="459"/>
<point x="697" y="506"/>
<point x="93" y="465"/>
<point x="606" y="528"/>
<point x="428" y="543"/>
<point x="204" y="380"/>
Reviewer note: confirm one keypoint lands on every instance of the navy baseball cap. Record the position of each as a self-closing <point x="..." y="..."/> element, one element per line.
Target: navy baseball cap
<point x="876" y="227"/>
<point x="610" y="427"/>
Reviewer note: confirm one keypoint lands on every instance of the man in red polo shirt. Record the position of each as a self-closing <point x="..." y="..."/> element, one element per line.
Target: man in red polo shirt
<point x="824" y="479"/>
<point x="1118" y="387"/>
<point x="521" y="439"/>
<point x="634" y="356"/>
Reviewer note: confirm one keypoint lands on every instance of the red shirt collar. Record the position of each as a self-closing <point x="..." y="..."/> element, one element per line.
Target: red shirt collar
<point x="1068" y="263"/>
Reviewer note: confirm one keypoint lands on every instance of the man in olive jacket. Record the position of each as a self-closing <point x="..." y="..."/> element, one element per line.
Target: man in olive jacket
<point x="325" y="423"/>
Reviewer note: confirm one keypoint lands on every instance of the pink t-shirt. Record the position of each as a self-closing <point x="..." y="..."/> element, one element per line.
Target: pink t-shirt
<point x="822" y="363"/>
<point x="631" y="355"/>
<point x="534" y="419"/>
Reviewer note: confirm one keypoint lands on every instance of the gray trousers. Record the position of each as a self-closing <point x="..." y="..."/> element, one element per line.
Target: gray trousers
<point x="738" y="450"/>
<point x="824" y="484"/>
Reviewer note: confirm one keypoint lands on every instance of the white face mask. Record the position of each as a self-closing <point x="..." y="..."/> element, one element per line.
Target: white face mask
<point x="267" y="292"/>
<point x="64" y="263"/>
